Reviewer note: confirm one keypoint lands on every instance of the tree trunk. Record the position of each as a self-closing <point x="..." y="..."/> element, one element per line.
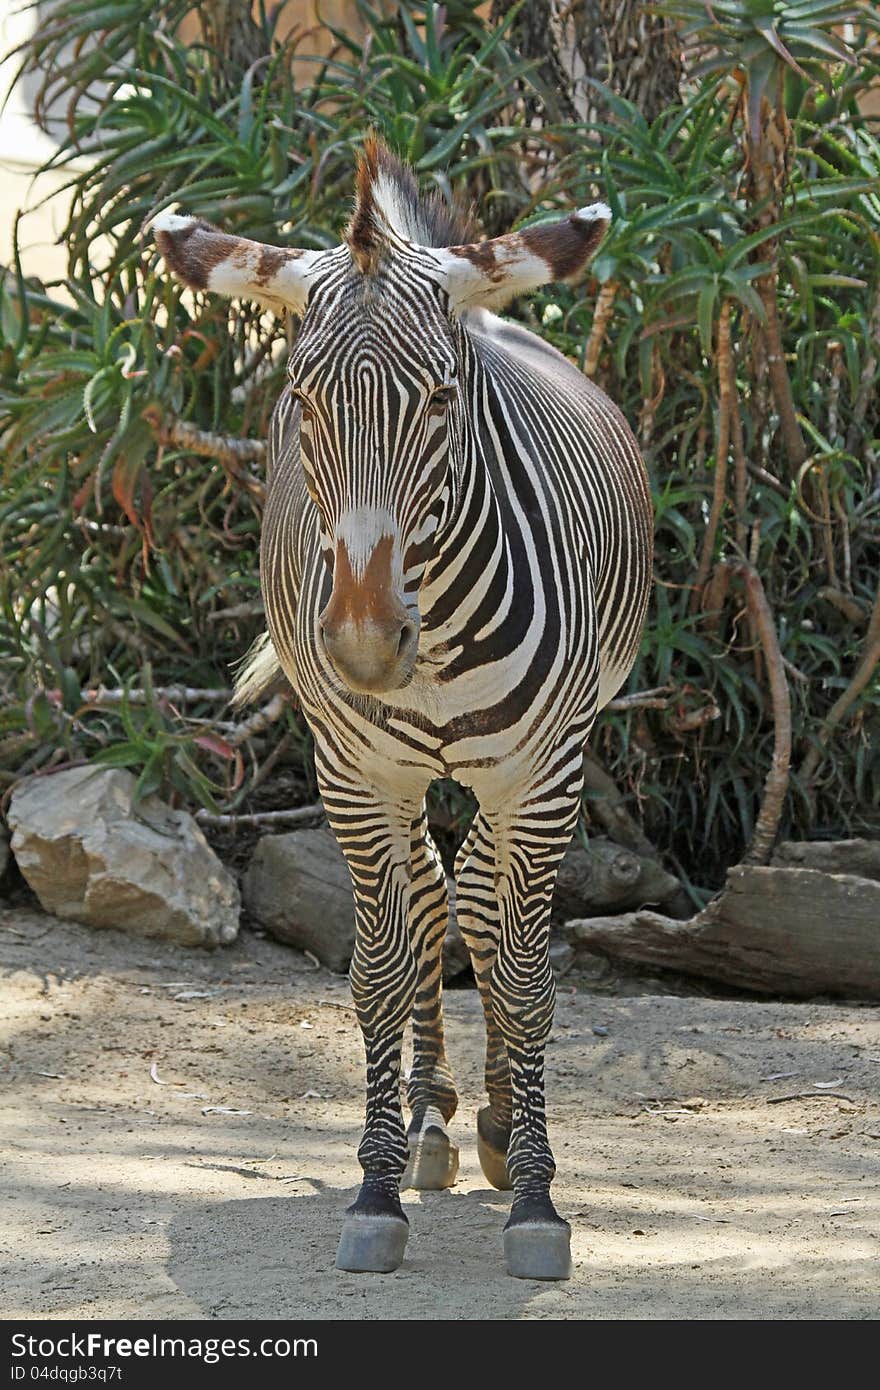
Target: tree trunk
<point x="642" y="55"/>
<point x="767" y="153"/>
<point x="619" y="42"/>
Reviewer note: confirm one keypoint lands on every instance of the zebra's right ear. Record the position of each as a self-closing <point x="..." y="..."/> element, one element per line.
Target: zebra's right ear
<point x="205" y="258"/>
<point x="487" y="274"/>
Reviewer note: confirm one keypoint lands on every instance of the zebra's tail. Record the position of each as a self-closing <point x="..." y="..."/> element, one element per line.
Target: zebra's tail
<point x="257" y="671"/>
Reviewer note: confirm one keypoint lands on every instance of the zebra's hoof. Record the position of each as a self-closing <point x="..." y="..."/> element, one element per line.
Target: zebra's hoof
<point x="492" y="1150"/>
<point x="538" y="1250"/>
<point x="371" y="1244"/>
<point x="433" y="1158"/>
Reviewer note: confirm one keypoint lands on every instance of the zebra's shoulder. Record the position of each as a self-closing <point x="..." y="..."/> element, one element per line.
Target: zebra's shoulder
<point x="516" y="357"/>
<point x="521" y="347"/>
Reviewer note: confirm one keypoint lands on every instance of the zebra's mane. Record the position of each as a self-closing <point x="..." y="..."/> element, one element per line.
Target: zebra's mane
<point x="388" y="199"/>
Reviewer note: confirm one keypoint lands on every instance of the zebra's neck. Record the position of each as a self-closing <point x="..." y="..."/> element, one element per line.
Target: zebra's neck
<point x="478" y="598"/>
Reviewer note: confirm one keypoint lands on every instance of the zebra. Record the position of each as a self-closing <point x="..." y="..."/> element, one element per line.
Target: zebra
<point x="455" y="562"/>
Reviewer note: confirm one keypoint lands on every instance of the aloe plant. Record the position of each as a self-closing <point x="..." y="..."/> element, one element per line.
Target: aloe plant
<point x="129" y="559"/>
<point x="754" y="44"/>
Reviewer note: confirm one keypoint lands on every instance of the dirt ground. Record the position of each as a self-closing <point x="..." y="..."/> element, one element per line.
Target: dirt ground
<point x="179" y="1132"/>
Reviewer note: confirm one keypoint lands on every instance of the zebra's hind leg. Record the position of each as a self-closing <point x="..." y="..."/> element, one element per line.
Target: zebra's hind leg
<point x="478" y="917"/>
<point x="433" y="1156"/>
<point x="530" y="845"/>
<point x="375" y="840"/>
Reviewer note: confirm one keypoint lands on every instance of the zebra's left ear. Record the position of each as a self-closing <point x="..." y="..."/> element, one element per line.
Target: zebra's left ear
<point x="487" y="274"/>
<point x="205" y="258"/>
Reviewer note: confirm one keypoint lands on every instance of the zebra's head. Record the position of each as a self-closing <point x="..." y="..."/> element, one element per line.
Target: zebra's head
<point x="380" y="371"/>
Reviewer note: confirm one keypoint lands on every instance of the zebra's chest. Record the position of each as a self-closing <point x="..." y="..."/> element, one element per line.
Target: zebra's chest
<point x="481" y="711"/>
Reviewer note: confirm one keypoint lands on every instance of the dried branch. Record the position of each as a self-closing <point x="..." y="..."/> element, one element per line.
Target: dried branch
<point x="810" y="1095"/>
<point x="694" y="718"/>
<point x="795" y="671"/>
<point x="765" y="150"/>
<point x="741" y="471"/>
<point x="721" y="449"/>
<point x="231" y="452"/>
<point x="827" y="528"/>
<point x="776" y="784"/>
<point x="643" y="699"/>
<point x="862" y="674"/>
<point x="768" y="479"/>
<point x="608" y="807"/>
<point x="298" y="815"/>
<point x="666" y="697"/>
<point x="259" y="722"/>
<point x="851" y="609"/>
<point x="869" y="372"/>
<point x="601" y="320"/>
<point x="266" y="768"/>
<point x="252" y="608"/>
<point x="175" y="694"/>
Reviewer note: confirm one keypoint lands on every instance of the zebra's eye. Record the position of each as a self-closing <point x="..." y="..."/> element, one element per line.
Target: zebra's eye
<point x="301" y="397"/>
<point x="442" y="395"/>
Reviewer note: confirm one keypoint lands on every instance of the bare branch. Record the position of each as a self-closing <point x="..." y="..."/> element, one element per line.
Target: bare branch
<point x="175" y="694"/>
<point x="851" y="609"/>
<point x="259" y="722"/>
<point x="298" y="815"/>
<point x="694" y="718"/>
<point x="231" y="452"/>
<point x="776" y="784"/>
<point x="721" y="449"/>
<point x="642" y="699"/>
<point x="862" y="674"/>
<point x="601" y="319"/>
<point x="607" y="806"/>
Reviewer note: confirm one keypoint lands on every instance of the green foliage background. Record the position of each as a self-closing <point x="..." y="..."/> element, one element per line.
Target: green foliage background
<point x="130" y="562"/>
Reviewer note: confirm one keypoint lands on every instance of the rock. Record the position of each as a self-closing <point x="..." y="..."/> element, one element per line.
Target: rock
<point x="456" y="957"/>
<point x="4" y="851"/>
<point x="298" y="887"/>
<point x="562" y="957"/>
<point x="605" y="877"/>
<point x="786" y="931"/>
<point x="859" y="857"/>
<point x="91" y="856"/>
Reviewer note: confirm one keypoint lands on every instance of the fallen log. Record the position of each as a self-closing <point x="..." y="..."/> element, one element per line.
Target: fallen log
<point x="860" y="858"/>
<point x="604" y="877"/>
<point x="791" y="931"/>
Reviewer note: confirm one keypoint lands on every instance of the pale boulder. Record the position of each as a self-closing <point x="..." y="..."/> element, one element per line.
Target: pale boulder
<point x="92" y="856"/>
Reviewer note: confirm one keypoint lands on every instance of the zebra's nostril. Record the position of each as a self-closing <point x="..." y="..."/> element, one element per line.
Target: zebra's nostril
<point x="405" y="640"/>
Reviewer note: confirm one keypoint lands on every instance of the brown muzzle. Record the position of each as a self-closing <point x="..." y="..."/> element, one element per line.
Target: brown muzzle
<point x="369" y="634"/>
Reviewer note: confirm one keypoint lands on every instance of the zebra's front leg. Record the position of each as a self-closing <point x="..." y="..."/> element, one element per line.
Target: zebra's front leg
<point x="477" y="912"/>
<point x="376" y="843"/>
<point x="529" y="849"/>
<point x="433" y="1157"/>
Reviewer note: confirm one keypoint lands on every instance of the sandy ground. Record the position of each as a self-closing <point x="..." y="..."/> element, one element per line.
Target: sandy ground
<point x="698" y="1181"/>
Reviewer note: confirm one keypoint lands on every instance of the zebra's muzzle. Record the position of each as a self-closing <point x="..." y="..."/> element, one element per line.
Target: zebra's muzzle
<point x="367" y="630"/>
<point x="371" y="657"/>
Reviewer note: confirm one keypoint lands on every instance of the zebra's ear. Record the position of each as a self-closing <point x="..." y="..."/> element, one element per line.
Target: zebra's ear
<point x="487" y="274"/>
<point x="205" y="258"/>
